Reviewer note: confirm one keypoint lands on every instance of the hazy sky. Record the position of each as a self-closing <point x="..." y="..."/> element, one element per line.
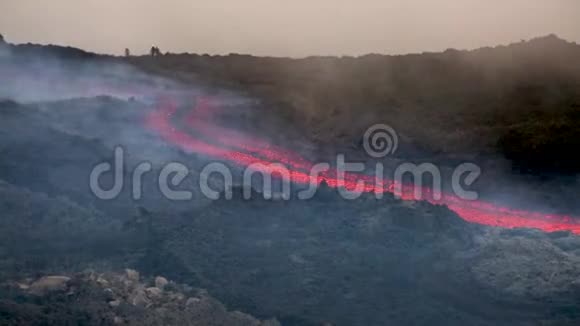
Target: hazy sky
<point x="286" y="28"/>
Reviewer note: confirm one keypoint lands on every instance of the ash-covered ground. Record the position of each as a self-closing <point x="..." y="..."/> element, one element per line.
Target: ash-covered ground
<point x="64" y="253"/>
<point x="363" y="262"/>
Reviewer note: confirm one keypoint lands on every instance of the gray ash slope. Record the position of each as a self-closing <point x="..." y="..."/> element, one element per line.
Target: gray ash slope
<point x="363" y="262"/>
<point x="370" y="262"/>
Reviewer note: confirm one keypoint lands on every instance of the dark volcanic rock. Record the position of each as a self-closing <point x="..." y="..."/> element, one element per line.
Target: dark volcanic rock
<point x="89" y="298"/>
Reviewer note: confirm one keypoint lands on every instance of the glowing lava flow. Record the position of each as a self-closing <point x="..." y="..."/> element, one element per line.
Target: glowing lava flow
<point x="243" y="150"/>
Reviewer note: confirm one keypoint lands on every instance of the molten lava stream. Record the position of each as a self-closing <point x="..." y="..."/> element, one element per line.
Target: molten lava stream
<point x="199" y="119"/>
<point x="250" y="151"/>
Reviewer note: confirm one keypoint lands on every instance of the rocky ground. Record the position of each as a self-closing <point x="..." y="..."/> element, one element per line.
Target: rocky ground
<point x="363" y="262"/>
<point x="91" y="298"/>
<point x="371" y="262"/>
<point x="325" y="261"/>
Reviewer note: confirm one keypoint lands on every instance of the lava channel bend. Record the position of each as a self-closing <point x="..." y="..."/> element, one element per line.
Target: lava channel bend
<point x="244" y="150"/>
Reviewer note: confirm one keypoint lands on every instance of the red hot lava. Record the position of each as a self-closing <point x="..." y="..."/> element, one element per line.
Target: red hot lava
<point x="243" y="150"/>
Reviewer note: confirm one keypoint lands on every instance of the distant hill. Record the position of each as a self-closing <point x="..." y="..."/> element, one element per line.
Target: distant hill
<point x="520" y="101"/>
<point x="55" y="51"/>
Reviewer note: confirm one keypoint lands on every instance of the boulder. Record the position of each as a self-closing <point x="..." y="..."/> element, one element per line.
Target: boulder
<point x="48" y="284"/>
<point x="161" y="282"/>
<point x="132" y="275"/>
<point x="153" y="292"/>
